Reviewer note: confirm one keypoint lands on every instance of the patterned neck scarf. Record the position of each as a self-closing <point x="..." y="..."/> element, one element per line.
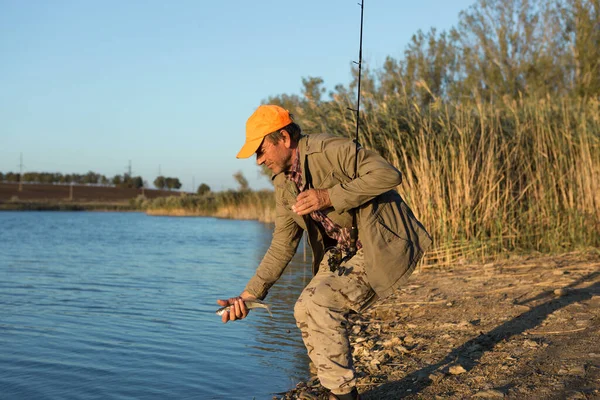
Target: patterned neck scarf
<point x="333" y="230"/>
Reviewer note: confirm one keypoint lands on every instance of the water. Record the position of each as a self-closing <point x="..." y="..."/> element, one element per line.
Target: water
<point x="121" y="306"/>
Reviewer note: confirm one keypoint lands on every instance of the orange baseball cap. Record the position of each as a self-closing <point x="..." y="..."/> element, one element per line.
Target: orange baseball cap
<point x="266" y="119"/>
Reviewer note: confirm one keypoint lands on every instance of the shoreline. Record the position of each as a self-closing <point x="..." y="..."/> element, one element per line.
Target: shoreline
<point x="241" y="213"/>
<point x="520" y="328"/>
<point x="59" y="206"/>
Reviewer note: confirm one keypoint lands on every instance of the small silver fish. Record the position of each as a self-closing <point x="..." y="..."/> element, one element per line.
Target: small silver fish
<point x="250" y="304"/>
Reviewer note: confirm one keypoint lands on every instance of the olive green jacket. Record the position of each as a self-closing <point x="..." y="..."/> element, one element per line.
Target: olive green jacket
<point x="393" y="240"/>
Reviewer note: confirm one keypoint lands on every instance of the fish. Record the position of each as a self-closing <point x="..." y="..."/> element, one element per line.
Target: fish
<point x="250" y="304"/>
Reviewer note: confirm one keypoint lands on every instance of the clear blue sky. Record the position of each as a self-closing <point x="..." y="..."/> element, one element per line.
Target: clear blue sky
<point x="90" y="85"/>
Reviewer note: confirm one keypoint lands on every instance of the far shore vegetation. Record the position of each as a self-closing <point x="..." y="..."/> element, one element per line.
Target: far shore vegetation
<point x="254" y="205"/>
<point x="495" y="126"/>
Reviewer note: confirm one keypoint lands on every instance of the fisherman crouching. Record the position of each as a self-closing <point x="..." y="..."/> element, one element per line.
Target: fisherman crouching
<point x="320" y="181"/>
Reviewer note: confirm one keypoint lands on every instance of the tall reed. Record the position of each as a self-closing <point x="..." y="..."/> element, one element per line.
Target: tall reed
<point x="488" y="178"/>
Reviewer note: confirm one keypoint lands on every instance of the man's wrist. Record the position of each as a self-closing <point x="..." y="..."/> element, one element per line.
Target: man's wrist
<point x="246" y="295"/>
<point x="324" y="198"/>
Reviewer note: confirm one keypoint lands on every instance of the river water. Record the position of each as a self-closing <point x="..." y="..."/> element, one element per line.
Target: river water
<point x="121" y="306"/>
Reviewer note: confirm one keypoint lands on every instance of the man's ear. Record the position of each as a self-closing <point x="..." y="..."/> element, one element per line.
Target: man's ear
<point x="287" y="139"/>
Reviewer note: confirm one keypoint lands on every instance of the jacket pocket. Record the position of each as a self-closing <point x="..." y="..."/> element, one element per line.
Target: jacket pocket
<point x="387" y="234"/>
<point x="387" y="213"/>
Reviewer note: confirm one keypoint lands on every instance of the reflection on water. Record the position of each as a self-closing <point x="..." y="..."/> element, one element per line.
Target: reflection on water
<point x="279" y="336"/>
<point x="121" y="305"/>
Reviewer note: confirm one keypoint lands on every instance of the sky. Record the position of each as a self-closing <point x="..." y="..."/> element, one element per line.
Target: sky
<point x="167" y="86"/>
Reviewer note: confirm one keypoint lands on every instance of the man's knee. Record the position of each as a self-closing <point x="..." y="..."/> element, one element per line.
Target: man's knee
<point x="310" y="303"/>
<point x="300" y="311"/>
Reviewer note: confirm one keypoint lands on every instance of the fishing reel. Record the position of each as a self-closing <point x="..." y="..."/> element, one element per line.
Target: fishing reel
<point x="336" y="258"/>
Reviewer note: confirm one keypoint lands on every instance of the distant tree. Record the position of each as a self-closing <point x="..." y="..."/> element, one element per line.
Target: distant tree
<point x="172" y="183"/>
<point x="313" y="89"/>
<point x="131" y="182"/>
<point x="137" y="182"/>
<point x="91" y="178"/>
<point x="117" y="180"/>
<point x="58" y="178"/>
<point x="160" y="182"/>
<point x="54" y="178"/>
<point x="30" y="177"/>
<point x="12" y="177"/>
<point x="242" y="181"/>
<point x="582" y="31"/>
<point x="203" y="189"/>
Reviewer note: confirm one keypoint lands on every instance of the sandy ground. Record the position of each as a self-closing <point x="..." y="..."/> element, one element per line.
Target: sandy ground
<point x="526" y="328"/>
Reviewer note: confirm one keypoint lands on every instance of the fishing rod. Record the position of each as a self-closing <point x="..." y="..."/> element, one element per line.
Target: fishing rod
<point x="337" y="259"/>
<point x="354" y="229"/>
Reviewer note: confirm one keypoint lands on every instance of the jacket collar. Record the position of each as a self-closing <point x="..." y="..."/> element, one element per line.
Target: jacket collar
<point x="305" y="146"/>
<point x="308" y="144"/>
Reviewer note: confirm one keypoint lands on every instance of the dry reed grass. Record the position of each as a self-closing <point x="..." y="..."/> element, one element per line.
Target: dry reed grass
<point x="246" y="205"/>
<point x="488" y="178"/>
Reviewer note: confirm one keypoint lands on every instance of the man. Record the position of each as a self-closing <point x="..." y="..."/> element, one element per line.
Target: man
<point x="317" y="189"/>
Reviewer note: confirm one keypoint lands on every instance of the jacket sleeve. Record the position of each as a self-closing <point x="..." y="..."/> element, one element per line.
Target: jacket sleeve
<point x="286" y="237"/>
<point x="375" y="176"/>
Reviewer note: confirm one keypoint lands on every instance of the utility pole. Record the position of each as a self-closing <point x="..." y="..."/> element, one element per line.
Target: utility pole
<point x="129" y="169"/>
<point x="21" y="173"/>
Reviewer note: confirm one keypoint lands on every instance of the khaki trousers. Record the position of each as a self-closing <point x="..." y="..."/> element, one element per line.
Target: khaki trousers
<point x="321" y="313"/>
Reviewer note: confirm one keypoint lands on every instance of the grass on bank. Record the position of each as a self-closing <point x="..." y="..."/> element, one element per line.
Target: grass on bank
<point x="236" y="205"/>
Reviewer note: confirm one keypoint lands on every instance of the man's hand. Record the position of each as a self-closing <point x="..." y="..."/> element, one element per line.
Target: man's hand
<point x="311" y="200"/>
<point x="238" y="308"/>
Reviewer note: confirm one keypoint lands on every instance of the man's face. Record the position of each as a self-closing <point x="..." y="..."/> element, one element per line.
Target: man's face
<point x="277" y="157"/>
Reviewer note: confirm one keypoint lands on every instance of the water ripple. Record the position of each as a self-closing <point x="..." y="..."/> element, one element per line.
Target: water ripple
<point x="121" y="306"/>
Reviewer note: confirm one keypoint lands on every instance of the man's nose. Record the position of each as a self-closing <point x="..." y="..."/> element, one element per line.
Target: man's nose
<point x="260" y="159"/>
